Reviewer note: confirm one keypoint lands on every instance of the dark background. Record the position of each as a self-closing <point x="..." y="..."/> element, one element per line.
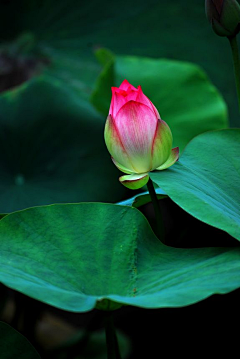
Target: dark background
<point x="175" y="29"/>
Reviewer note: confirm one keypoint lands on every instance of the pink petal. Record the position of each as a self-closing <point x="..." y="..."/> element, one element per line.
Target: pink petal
<point x="125" y="85"/>
<point x="118" y="100"/>
<point x="136" y="125"/>
<point x="145" y="100"/>
<point x="132" y="95"/>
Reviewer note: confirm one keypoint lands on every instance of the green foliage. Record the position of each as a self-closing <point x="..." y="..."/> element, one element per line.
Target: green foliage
<point x="68" y="32"/>
<point x="183" y="95"/>
<point x="52" y="148"/>
<point x="63" y="43"/>
<point x="75" y="256"/>
<point x="15" y="345"/>
<point x="206" y="180"/>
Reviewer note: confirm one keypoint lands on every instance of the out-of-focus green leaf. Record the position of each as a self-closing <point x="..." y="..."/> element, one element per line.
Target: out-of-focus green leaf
<point x="77" y="256"/>
<point x="15" y="345"/>
<point x="69" y="31"/>
<point x="100" y="95"/>
<point x="52" y="148"/>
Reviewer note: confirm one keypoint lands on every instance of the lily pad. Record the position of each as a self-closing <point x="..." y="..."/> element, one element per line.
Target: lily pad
<point x="77" y="256"/>
<point x="206" y="180"/>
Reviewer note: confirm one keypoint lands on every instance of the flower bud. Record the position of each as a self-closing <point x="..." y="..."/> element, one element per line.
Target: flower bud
<point x="224" y="15"/>
<point x="136" y="137"/>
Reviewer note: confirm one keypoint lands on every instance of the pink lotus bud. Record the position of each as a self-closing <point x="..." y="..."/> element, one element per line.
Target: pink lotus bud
<point x="224" y="15"/>
<point x="137" y="139"/>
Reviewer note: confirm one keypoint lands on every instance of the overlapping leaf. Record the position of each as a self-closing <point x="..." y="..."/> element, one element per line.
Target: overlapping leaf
<point x="206" y="180"/>
<point x="77" y="256"/>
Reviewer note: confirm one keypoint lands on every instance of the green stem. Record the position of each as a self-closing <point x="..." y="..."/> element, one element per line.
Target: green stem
<point x="111" y="337"/>
<point x="236" y="63"/>
<point x="157" y="210"/>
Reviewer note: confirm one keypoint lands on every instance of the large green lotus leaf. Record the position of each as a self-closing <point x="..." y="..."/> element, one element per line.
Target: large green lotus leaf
<point x="78" y="256"/>
<point x="182" y="93"/>
<point x="206" y="180"/>
<point x="15" y="345"/>
<point x="52" y="149"/>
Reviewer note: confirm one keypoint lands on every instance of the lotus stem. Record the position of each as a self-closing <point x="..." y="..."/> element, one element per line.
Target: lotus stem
<point x="111" y="337"/>
<point x="157" y="210"/>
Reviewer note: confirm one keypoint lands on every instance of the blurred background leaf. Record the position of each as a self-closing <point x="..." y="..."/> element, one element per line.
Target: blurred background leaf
<point x="68" y="31"/>
<point x="52" y="148"/>
<point x="15" y="345"/>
